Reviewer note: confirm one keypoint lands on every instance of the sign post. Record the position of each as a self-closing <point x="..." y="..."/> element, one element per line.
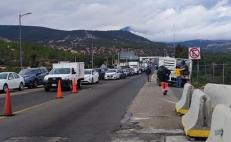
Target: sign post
<point x="194" y="53"/>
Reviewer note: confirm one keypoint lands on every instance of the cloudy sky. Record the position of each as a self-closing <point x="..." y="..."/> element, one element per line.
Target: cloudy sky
<point x="154" y="19"/>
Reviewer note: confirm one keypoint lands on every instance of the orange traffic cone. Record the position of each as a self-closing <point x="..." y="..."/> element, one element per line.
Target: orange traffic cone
<point x="8" y="105"/>
<point x="59" y="91"/>
<point x="74" y="88"/>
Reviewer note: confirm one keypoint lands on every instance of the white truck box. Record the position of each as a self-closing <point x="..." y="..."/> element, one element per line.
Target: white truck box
<point x="67" y="72"/>
<point x="77" y="66"/>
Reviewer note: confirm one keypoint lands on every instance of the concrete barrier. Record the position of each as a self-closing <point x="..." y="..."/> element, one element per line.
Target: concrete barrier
<point x="196" y="121"/>
<point x="221" y="125"/>
<point x="183" y="105"/>
<point x="219" y="94"/>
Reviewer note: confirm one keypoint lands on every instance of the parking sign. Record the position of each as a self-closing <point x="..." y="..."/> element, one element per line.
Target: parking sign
<point x="194" y="53"/>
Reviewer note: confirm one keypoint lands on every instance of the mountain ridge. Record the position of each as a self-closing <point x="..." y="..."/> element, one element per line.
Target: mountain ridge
<point x="104" y="42"/>
<point x="209" y="45"/>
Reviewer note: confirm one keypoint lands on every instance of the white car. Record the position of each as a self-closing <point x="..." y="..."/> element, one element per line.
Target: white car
<point x="11" y="80"/>
<point x="112" y="74"/>
<point x="90" y="76"/>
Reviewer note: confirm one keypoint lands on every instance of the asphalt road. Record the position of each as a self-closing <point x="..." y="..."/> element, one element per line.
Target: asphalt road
<point x="91" y="115"/>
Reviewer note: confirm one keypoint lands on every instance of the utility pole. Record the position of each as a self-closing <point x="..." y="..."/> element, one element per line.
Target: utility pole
<point x="92" y="53"/>
<point x="20" y="38"/>
<point x="198" y="70"/>
<point x="174" y="40"/>
<point x="223" y="75"/>
<point x="118" y="62"/>
<point x="213" y="71"/>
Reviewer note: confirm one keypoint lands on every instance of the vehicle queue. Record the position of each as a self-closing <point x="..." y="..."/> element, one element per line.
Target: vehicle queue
<point x="67" y="72"/>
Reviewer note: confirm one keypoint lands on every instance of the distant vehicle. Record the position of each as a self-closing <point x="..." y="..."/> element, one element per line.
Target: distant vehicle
<point x="11" y="80"/>
<point x="112" y="74"/>
<point x="126" y="71"/>
<point x="101" y="73"/>
<point x="90" y="76"/>
<point x="132" y="71"/>
<point x="33" y="76"/>
<point x="133" y="64"/>
<point x="67" y="72"/>
<point x="171" y="63"/>
<point x="123" y="74"/>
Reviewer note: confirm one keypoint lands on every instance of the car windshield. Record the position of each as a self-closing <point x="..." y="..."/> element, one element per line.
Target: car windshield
<point x="60" y="71"/>
<point x="110" y="71"/>
<point x="3" y="75"/>
<point x="87" y="71"/>
<point x="25" y="71"/>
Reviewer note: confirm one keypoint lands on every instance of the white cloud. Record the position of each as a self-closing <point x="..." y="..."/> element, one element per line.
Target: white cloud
<point x="193" y="19"/>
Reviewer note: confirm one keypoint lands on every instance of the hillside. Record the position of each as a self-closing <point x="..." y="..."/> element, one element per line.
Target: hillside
<point x="209" y="45"/>
<point x="34" y="55"/>
<point x="104" y="42"/>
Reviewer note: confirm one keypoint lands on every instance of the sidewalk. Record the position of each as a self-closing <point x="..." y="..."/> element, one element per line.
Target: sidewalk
<point x="155" y="116"/>
<point x="154" y="110"/>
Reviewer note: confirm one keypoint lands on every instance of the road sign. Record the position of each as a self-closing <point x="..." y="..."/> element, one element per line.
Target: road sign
<point x="194" y="53"/>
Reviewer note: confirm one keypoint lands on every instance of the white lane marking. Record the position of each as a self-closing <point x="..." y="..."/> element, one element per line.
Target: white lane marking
<point x="26" y="109"/>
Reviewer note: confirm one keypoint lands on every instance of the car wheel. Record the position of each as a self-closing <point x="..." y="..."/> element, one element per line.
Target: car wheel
<point x="47" y="89"/>
<point x="79" y="84"/>
<point x="35" y="84"/>
<point x="20" y="88"/>
<point x="5" y="87"/>
<point x="92" y="81"/>
<point x="70" y="86"/>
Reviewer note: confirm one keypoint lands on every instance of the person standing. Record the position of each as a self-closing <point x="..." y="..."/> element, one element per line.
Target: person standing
<point x="178" y="72"/>
<point x="148" y="73"/>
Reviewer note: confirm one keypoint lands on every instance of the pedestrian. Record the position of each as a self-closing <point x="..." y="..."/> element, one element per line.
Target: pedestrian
<point x="163" y="76"/>
<point x="148" y="73"/>
<point x="178" y="72"/>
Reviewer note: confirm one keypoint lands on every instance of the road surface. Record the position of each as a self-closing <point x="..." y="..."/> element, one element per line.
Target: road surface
<point x="89" y="116"/>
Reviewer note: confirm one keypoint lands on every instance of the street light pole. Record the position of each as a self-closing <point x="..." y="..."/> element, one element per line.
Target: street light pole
<point x="92" y="53"/>
<point x="20" y="38"/>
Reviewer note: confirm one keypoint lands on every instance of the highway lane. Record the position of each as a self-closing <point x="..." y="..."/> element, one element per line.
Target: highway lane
<point x="91" y="115"/>
<point x="31" y="97"/>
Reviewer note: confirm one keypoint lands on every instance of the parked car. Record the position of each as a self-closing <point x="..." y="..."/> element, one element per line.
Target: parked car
<point x="11" y="80"/>
<point x="123" y="74"/>
<point x="131" y="71"/>
<point x="101" y="73"/>
<point x="33" y="76"/>
<point x="126" y="71"/>
<point x="90" y="76"/>
<point x="112" y="74"/>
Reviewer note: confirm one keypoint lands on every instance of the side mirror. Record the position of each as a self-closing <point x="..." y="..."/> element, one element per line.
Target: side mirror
<point x="73" y="72"/>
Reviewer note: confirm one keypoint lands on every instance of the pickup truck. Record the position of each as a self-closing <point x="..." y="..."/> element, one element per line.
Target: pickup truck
<point x="66" y="72"/>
